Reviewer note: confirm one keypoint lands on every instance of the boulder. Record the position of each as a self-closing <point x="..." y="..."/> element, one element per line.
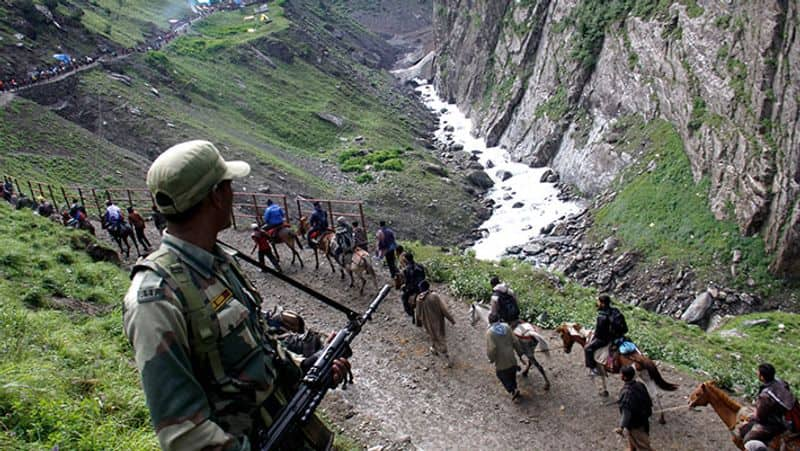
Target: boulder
<point x="435" y="169"/>
<point x="518" y="205"/>
<point x="449" y="128"/>
<point x="547" y="229"/>
<point x="503" y="174"/>
<point x="101" y="253"/>
<point x="480" y="179"/>
<point x="699" y="308"/>
<point x="331" y="118"/>
<point x="549" y="176"/>
<point x="513" y="250"/>
<point x="489" y="164"/>
<point x="609" y="245"/>
<point x="755" y="322"/>
<point x="532" y="249"/>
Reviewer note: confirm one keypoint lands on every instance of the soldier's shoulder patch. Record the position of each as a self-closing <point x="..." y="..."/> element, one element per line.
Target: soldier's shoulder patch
<point x="221" y="299"/>
<point x="149" y="295"/>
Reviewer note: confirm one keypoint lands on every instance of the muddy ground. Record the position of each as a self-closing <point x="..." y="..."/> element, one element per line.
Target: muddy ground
<point x="405" y="398"/>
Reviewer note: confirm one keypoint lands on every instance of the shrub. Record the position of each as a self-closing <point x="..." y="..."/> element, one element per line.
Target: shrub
<point x="395" y="164"/>
<point x="363" y="178"/>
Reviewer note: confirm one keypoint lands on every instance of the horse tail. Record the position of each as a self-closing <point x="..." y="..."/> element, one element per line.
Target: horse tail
<point x="542" y="344"/>
<point x="653" y="372"/>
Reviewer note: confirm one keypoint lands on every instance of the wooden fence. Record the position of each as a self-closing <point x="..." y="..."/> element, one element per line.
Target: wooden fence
<point x="247" y="207"/>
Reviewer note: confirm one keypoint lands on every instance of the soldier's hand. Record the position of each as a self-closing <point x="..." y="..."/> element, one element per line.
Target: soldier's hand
<point x="340" y="370"/>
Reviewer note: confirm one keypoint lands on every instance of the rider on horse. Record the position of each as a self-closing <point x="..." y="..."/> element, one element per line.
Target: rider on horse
<point x="113" y="217"/>
<point x="773" y="401"/>
<point x="609" y="327"/>
<point x="413" y="276"/>
<point x="77" y="212"/>
<point x="504" y="303"/>
<point x="318" y="223"/>
<point x="274" y="217"/>
<point x="344" y="239"/>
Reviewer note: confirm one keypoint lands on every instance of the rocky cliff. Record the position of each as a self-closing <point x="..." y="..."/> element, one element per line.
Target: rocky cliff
<point x="548" y="80"/>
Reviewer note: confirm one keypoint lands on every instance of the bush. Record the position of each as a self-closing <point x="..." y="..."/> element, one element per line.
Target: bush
<point x="395" y="164"/>
<point x="363" y="178"/>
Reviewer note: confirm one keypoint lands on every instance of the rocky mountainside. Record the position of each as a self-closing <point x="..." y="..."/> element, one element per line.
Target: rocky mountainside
<point x="550" y="79"/>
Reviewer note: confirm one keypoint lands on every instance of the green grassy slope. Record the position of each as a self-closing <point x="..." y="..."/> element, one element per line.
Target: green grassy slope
<point x="39" y="145"/>
<point x="66" y="376"/>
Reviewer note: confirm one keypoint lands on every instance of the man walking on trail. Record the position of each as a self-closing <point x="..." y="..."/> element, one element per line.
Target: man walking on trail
<point x="430" y="312"/>
<point x="274" y="216"/>
<point x="504" y="303"/>
<point x="386" y="246"/>
<point x="413" y="275"/>
<point x="502" y="348"/>
<point x="211" y="376"/>
<point x="137" y="221"/>
<point x="159" y="220"/>
<point x="45" y="208"/>
<point x="318" y="223"/>
<point x="774" y="399"/>
<point x="261" y="242"/>
<point x="76" y="210"/>
<point x="360" y="239"/>
<point x="610" y="326"/>
<point x="636" y="407"/>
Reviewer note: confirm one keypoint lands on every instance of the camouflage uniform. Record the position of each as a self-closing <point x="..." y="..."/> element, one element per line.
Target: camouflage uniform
<point x="211" y="377"/>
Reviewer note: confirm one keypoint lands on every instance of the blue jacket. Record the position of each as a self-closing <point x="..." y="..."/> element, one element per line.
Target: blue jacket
<point x="273" y="215"/>
<point x="319" y="219"/>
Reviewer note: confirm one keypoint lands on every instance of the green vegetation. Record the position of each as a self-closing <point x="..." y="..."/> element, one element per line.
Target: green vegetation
<point x="663" y="213"/>
<point x="66" y="376"/>
<point x="731" y="360"/>
<point x="357" y="160"/>
<point x="555" y="107"/>
<point x="698" y="113"/>
<point x="129" y="22"/>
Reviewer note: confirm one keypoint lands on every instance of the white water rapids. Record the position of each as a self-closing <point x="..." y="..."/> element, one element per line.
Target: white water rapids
<point x="508" y="226"/>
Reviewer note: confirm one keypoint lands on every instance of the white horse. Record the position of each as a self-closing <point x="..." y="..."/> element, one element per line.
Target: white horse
<point x="525" y="332"/>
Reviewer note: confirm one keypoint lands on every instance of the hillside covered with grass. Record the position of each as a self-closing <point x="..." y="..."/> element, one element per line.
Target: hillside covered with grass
<point x="67" y="377"/>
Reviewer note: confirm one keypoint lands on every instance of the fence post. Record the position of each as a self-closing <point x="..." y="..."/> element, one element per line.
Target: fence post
<point x="361" y="213"/>
<point x="286" y="207"/>
<point x="41" y="190"/>
<point x="130" y="199"/>
<point x="30" y="187"/>
<point x="299" y="210"/>
<point x="330" y="213"/>
<point x="108" y="195"/>
<point x="19" y="188"/>
<point x="96" y="203"/>
<point x="255" y="204"/>
<point x="52" y="196"/>
<point x="64" y="193"/>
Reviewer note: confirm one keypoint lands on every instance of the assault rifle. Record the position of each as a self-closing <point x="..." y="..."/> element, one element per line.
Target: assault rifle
<point x="316" y="382"/>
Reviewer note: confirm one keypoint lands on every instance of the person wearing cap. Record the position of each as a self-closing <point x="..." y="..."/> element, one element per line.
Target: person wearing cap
<point x="430" y="312"/>
<point x="318" y="223"/>
<point x="212" y="377"/>
<point x="344" y="239"/>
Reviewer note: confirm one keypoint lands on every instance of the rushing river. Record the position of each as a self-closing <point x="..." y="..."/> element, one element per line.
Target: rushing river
<point x="508" y="226"/>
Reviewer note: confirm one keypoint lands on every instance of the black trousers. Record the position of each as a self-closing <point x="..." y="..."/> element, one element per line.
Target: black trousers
<point x="391" y="260"/>
<point x="590" y="349"/>
<point x="508" y="377"/>
<point x="406" y="297"/>
<point x="142" y="237"/>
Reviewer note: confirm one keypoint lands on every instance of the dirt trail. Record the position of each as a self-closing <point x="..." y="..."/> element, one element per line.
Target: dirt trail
<point x="404" y="398"/>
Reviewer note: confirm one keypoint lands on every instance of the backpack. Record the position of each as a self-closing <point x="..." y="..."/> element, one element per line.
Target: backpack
<point x="617" y="322"/>
<point x="417" y="276"/>
<point x="793" y="417"/>
<point x="507" y="308"/>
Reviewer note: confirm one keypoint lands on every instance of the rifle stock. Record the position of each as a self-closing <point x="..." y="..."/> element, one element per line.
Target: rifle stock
<point x="316" y="382"/>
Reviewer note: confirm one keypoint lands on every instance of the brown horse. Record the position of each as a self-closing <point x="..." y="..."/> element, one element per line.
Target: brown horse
<point x="286" y="236"/>
<point x="646" y="369"/>
<point x="121" y="233"/>
<point x="323" y="243"/>
<point x="358" y="262"/>
<point x="735" y="416"/>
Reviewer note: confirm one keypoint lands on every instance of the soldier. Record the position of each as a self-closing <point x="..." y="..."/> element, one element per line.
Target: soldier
<point x="211" y="376"/>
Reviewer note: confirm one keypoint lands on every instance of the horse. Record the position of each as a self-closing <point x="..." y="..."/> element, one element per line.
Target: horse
<point x="734" y="415"/>
<point x="525" y="332"/>
<point x="83" y="224"/>
<point x="285" y="235"/>
<point x="359" y="262"/>
<point x="646" y="369"/>
<point x="120" y="234"/>
<point x="323" y="243"/>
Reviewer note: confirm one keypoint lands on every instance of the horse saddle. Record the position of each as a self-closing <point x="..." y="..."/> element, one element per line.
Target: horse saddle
<point x="273" y="232"/>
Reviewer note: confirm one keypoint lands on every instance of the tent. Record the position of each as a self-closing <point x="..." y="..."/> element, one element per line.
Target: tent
<point x="64" y="58"/>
